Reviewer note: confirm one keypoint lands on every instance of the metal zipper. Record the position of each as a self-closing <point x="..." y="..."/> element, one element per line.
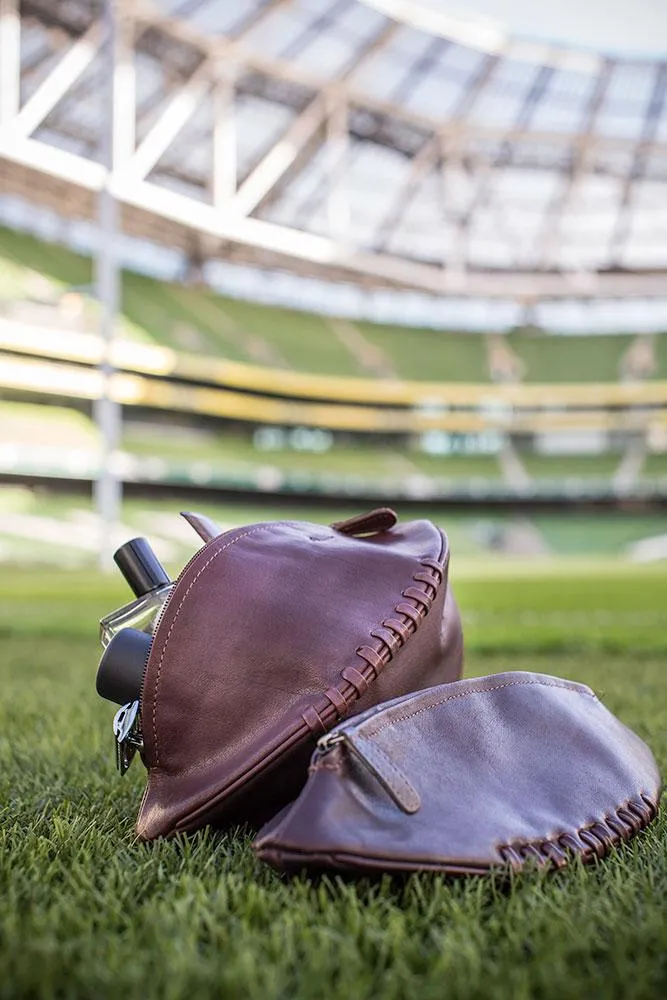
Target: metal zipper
<point x="128" y="735"/>
<point x="329" y="741"/>
<point x="127" y="720"/>
<point x="378" y="763"/>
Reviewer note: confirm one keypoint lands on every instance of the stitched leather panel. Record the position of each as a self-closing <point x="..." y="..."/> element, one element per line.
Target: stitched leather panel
<point x="337" y="700"/>
<point x="422" y="599"/>
<point x="356" y="679"/>
<point x="260" y="629"/>
<point x="314" y="721"/>
<point x="513" y="770"/>
<point x="409" y="612"/>
<point x="402" y="630"/>
<point x="371" y="657"/>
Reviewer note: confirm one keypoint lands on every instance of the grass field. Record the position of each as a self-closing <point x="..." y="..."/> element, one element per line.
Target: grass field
<point x="85" y="911"/>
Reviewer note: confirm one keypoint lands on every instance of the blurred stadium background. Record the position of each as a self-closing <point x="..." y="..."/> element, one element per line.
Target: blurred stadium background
<point x="319" y="254"/>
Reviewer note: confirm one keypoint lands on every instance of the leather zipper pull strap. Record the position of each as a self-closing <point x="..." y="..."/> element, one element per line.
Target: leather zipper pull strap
<point x="374" y="521"/>
<point x="379" y="763"/>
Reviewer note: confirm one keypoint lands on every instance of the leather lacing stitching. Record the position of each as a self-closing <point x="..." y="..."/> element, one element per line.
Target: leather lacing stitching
<point x="591" y="841"/>
<point x="392" y="634"/>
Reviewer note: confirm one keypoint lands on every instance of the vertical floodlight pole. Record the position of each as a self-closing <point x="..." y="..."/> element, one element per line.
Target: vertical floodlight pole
<point x="107" y="410"/>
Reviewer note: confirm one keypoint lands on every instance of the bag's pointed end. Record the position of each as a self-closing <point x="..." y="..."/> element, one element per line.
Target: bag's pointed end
<point x="204" y="526"/>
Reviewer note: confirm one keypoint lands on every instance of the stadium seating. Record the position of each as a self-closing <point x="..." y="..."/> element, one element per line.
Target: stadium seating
<point x="190" y="451"/>
<point x="429" y="354"/>
<point x="571" y="466"/>
<point x="655" y="465"/>
<point x="53" y="429"/>
<point x="196" y="320"/>
<point x="51" y="286"/>
<point x="570" y="359"/>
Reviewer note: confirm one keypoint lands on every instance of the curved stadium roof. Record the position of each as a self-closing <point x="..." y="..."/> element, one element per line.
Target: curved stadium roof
<point x="399" y="130"/>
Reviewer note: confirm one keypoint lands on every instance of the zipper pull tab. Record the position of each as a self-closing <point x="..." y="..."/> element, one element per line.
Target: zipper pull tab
<point x="127" y="732"/>
<point x="329" y="741"/>
<point x="379" y="763"/>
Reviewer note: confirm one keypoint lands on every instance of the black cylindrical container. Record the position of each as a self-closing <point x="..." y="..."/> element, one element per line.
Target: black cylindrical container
<point x="121" y="669"/>
<point x="140" y="566"/>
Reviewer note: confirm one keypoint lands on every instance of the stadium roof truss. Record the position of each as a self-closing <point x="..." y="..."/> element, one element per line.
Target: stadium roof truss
<point x="324" y="136"/>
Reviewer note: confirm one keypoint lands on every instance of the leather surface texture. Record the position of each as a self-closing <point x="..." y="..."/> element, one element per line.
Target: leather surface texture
<point x="492" y="772"/>
<point x="272" y="634"/>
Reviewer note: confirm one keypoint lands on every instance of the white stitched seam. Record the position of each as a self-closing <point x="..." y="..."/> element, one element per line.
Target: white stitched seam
<point x="263" y="527"/>
<point x="465" y="694"/>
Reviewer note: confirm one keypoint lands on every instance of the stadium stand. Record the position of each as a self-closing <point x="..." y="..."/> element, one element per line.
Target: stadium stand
<point x="655" y="465"/>
<point x="36" y="276"/>
<point x="570" y="359"/>
<point x="428" y="355"/>
<point x="50" y="287"/>
<point x="224" y="453"/>
<point x="571" y="466"/>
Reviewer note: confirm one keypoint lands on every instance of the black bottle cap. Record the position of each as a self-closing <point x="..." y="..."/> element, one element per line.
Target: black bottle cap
<point x="121" y="668"/>
<point x="140" y="566"/>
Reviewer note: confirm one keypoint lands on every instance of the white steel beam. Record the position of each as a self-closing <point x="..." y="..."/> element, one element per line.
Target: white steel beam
<point x="337" y="153"/>
<point x="404" y="273"/>
<point x="652" y="122"/>
<point x="284" y="154"/>
<point x="550" y="238"/>
<point x="51" y="161"/>
<point x="280" y="157"/>
<point x="338" y="140"/>
<point x="452" y="148"/>
<point x="65" y="73"/>
<point x="429" y="155"/>
<point x="451" y="163"/>
<point x="223" y="180"/>
<point x="421" y="164"/>
<point x="195" y="215"/>
<point x="368" y="51"/>
<point x="10" y="60"/>
<point x="257" y="17"/>
<point x="170" y="122"/>
<point x="282" y="70"/>
<point x="125" y="92"/>
<point x="491" y="169"/>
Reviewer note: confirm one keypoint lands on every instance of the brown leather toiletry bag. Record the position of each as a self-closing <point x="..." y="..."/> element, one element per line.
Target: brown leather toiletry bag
<point x="272" y="634"/>
<point x="468" y="777"/>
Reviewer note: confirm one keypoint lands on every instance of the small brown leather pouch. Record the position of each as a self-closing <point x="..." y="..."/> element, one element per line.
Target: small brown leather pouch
<point x="468" y="777"/>
<point x="272" y="634"/>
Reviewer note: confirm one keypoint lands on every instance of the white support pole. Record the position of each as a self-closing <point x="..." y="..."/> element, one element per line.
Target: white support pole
<point x="66" y="72"/>
<point x="223" y="181"/>
<point x="108" y="488"/>
<point x="10" y="60"/>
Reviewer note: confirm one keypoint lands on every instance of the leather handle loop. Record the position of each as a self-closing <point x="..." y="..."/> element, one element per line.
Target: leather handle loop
<point x="370" y="523"/>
